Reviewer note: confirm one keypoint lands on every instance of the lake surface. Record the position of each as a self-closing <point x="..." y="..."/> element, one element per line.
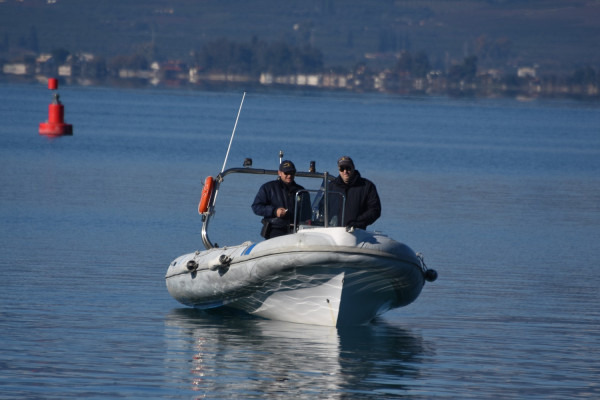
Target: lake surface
<point x="502" y="197"/>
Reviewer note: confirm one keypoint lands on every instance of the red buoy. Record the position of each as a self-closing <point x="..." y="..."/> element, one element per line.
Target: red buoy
<point x="55" y="125"/>
<point x="52" y="83"/>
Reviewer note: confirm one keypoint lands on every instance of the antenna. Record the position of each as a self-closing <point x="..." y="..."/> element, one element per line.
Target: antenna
<point x="233" y="133"/>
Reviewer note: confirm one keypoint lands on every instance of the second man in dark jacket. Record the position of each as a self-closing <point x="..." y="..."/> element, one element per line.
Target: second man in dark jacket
<point x="363" y="206"/>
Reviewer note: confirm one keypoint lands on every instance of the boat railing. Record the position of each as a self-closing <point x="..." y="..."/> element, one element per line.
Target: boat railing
<point x="213" y="191"/>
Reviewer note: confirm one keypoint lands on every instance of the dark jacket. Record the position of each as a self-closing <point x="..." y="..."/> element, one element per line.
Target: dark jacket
<point x="271" y="196"/>
<point x="363" y="206"/>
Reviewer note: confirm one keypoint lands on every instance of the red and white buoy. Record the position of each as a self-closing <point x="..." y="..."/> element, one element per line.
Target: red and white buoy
<point x="55" y="125"/>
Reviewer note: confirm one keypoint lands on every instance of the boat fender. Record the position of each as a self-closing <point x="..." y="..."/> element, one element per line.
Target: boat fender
<point x="206" y="194"/>
<point x="192" y="265"/>
<point x="431" y="275"/>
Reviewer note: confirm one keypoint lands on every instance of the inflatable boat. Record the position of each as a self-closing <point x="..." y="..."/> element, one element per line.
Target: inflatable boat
<point x="321" y="273"/>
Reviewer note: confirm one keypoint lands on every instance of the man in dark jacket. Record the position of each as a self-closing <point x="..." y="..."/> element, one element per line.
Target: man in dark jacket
<point x="363" y="206"/>
<point x="275" y="201"/>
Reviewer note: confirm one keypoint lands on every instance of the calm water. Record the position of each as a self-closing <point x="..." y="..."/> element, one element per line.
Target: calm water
<point x="502" y="197"/>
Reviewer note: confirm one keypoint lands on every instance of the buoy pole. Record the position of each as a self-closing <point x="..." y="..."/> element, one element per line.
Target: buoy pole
<point x="55" y="125"/>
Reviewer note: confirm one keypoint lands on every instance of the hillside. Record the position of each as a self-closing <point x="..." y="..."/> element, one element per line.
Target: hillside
<point x="557" y="35"/>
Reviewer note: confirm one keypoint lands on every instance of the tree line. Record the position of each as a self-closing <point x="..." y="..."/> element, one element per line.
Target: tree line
<point x="256" y="57"/>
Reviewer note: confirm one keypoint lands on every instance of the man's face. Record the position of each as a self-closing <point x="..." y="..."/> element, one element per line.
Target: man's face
<point x="346" y="173"/>
<point x="286" y="177"/>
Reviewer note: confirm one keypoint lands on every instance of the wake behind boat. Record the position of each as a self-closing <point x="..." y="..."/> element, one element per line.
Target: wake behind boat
<point x="321" y="273"/>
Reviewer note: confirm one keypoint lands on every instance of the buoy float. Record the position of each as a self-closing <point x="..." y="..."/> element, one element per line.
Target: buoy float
<point x="206" y="195"/>
<point x="55" y="125"/>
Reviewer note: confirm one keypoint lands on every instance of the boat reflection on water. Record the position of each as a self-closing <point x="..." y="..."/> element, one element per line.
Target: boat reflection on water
<point x="223" y="354"/>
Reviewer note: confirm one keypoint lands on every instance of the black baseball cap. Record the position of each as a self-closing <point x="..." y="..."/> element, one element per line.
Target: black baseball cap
<point x="345" y="161"/>
<point x="287" y="166"/>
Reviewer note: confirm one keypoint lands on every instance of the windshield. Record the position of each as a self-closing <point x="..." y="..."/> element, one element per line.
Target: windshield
<point x="312" y="210"/>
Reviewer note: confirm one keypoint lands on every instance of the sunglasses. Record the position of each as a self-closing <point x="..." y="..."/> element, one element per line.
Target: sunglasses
<point x="342" y="169"/>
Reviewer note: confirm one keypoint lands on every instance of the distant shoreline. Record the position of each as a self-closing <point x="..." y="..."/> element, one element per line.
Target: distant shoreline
<point x="531" y="92"/>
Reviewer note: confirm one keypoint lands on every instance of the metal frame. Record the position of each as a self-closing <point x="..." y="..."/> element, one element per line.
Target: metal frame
<point x="254" y="171"/>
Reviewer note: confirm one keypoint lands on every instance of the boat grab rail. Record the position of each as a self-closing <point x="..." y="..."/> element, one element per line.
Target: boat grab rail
<point x="258" y="171"/>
